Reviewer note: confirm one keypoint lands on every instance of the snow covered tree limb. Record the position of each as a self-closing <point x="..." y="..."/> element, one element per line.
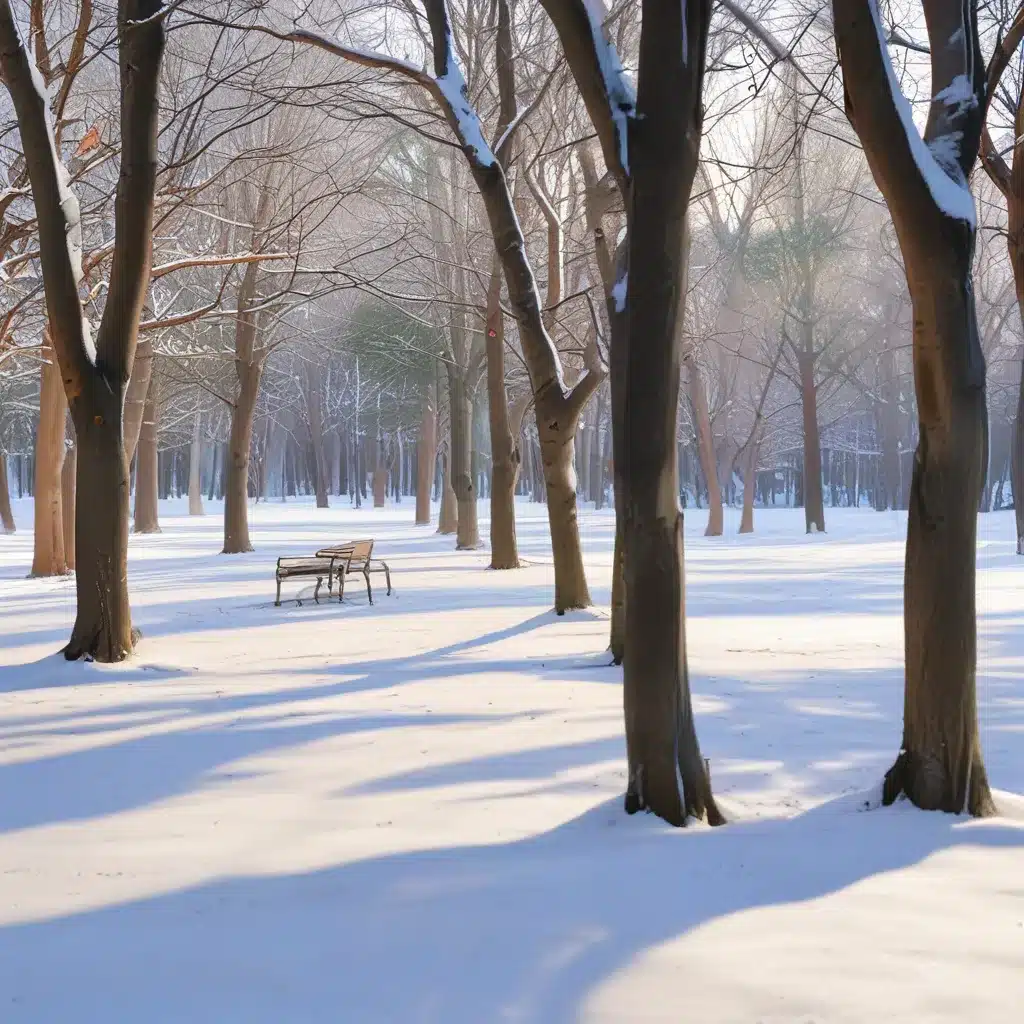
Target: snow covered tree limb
<point x="991" y="159"/>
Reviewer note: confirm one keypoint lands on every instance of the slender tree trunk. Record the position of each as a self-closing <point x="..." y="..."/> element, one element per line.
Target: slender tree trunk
<point x="448" y="518"/>
<point x="460" y="460"/>
<point x="314" y="401"/>
<point x="137" y="395"/>
<point x="705" y="447"/>
<point x="1017" y="465"/>
<point x="68" y="491"/>
<point x="48" y="558"/>
<point x="6" y="515"/>
<point x="505" y="456"/>
<point x="236" y="468"/>
<point x="814" y="502"/>
<point x="146" y="468"/>
<point x="426" y="454"/>
<point x="195" y="465"/>
<point x="749" y="487"/>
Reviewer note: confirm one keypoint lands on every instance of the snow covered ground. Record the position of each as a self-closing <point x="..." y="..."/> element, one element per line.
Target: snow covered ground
<point x="412" y="811"/>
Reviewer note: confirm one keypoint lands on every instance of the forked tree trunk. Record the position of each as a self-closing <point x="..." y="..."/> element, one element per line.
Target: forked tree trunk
<point x="426" y="456"/>
<point x="448" y="517"/>
<point x="940" y="763"/>
<point x="195" y="465"/>
<point x="460" y="460"/>
<point x="68" y="489"/>
<point x="236" y="466"/>
<point x="505" y="457"/>
<point x="147" y="463"/>
<point x="814" y="502"/>
<point x="705" y="447"/>
<point x="48" y="557"/>
<point x="667" y="774"/>
<point x="6" y="515"/>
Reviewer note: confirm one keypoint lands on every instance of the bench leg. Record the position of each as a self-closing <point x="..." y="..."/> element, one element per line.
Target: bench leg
<point x="341" y="587"/>
<point x="369" y="589"/>
<point x="316" y="589"/>
<point x="387" y="576"/>
<point x="277" y="600"/>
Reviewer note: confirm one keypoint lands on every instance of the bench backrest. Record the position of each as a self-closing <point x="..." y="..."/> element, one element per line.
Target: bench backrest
<point x="361" y="552"/>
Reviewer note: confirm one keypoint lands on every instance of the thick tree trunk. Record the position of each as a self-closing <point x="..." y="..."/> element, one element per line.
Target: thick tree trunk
<point x="6" y="515"/>
<point x="667" y="773"/>
<point x="48" y="557"/>
<point x="705" y="447"/>
<point x="940" y="762"/>
<point x="236" y="468"/>
<point x="146" y="468"/>
<point x="103" y="627"/>
<point x="68" y="493"/>
<point x="460" y="460"/>
<point x="814" y="502"/>
<point x="195" y="465"/>
<point x="505" y="457"/>
<point x="426" y="455"/>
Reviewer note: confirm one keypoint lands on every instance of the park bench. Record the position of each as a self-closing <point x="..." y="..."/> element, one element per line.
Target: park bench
<point x="351" y="558"/>
<point x="303" y="568"/>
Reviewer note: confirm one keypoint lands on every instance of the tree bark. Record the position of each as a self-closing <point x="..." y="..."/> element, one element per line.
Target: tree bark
<point x="814" y="502"/>
<point x="426" y="455"/>
<point x="448" y="518"/>
<point x="135" y="399"/>
<point x="147" y="517"/>
<point x="195" y="465"/>
<point x="68" y="490"/>
<point x="705" y="446"/>
<point x="940" y="763"/>
<point x="314" y="408"/>
<point x="749" y="487"/>
<point x="460" y="460"/>
<point x="236" y="467"/>
<point x="505" y="457"/>
<point x="48" y="557"/>
<point x="667" y="774"/>
<point x="6" y="515"/>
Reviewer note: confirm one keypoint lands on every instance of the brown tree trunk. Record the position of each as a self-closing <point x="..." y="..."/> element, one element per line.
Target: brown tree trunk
<point x="68" y="491"/>
<point x="195" y="458"/>
<point x="147" y="484"/>
<point x="137" y="394"/>
<point x="236" y="468"/>
<point x="426" y="455"/>
<point x="314" y="408"/>
<point x="48" y="557"/>
<point x="749" y="486"/>
<point x="940" y="762"/>
<point x="814" y="502"/>
<point x="705" y="447"/>
<point x="448" y="518"/>
<point x="460" y="460"/>
<point x="667" y="774"/>
<point x="6" y="515"/>
<point x="505" y="457"/>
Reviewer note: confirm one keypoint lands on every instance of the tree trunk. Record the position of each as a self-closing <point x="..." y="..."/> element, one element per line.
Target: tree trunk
<point x="505" y="456"/>
<point x="147" y="462"/>
<point x="749" y="487"/>
<point x="6" y="515"/>
<point x="448" y="518"/>
<point x="814" y="502"/>
<point x="426" y="455"/>
<point x="68" y="492"/>
<point x="236" y="468"/>
<point x="940" y="762"/>
<point x="460" y="460"/>
<point x="667" y="774"/>
<point x="137" y="395"/>
<point x="48" y="558"/>
<point x="314" y="408"/>
<point x="705" y="446"/>
<point x="195" y="466"/>
<point x="1017" y="465"/>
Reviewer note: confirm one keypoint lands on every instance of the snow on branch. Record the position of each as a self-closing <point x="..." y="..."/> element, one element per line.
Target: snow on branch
<point x="618" y="88"/>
